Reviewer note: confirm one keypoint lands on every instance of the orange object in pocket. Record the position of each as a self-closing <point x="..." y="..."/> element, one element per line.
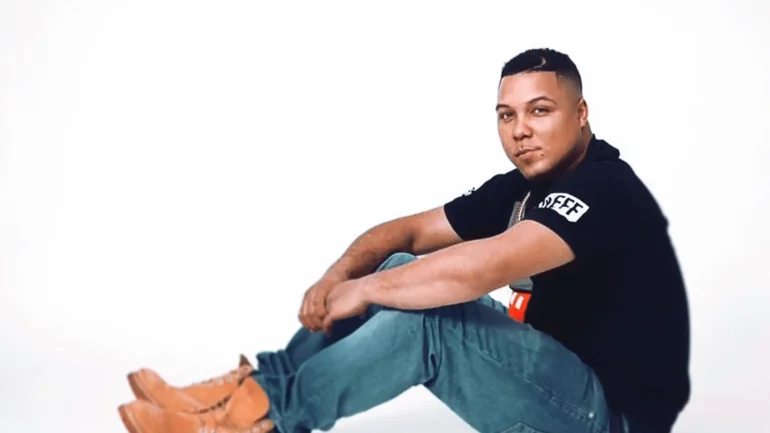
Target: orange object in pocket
<point x="517" y="306"/>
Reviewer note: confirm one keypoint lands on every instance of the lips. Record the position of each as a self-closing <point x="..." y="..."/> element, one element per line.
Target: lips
<point x="523" y="152"/>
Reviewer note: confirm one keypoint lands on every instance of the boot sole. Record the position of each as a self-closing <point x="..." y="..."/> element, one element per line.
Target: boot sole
<point x="128" y="421"/>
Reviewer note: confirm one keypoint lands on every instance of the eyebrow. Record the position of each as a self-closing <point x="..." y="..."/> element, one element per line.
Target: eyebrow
<point x="530" y="102"/>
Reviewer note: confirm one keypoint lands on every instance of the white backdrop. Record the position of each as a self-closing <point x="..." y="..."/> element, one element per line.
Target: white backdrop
<point x="176" y="173"/>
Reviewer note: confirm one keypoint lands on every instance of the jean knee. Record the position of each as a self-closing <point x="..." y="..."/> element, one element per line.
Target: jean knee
<point x="388" y="319"/>
<point x="395" y="260"/>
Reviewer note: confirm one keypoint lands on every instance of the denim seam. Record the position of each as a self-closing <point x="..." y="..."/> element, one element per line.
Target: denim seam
<point x="277" y="418"/>
<point x="273" y="413"/>
<point x="436" y="328"/>
<point x="575" y="412"/>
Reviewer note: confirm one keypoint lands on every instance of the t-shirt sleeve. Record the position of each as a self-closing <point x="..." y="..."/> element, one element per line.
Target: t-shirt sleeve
<point x="485" y="211"/>
<point x="595" y="210"/>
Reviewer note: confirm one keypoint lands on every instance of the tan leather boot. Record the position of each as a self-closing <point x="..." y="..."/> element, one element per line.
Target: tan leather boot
<point x="244" y="412"/>
<point x="202" y="396"/>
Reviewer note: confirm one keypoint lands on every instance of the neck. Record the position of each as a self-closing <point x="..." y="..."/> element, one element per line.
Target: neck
<point x="582" y="146"/>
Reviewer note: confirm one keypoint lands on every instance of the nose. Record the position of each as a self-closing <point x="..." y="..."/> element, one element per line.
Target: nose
<point x="521" y="130"/>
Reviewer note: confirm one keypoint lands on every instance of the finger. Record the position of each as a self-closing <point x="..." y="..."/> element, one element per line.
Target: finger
<point x="305" y="310"/>
<point x="309" y="302"/>
<point x="327" y="323"/>
<point x="330" y="314"/>
<point x="310" y="315"/>
<point x="303" y="320"/>
<point x="318" y="310"/>
<point x="316" y="322"/>
<point x="301" y="314"/>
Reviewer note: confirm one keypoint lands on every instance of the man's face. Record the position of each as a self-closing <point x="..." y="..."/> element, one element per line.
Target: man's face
<point x="539" y="119"/>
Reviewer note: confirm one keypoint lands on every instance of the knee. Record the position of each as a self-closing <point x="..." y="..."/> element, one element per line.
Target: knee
<point x="390" y="319"/>
<point x="395" y="260"/>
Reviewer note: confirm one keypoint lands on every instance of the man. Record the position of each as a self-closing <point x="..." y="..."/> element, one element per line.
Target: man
<point x="595" y="338"/>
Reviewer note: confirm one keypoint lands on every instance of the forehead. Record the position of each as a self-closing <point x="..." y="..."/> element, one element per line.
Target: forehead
<point x="520" y="88"/>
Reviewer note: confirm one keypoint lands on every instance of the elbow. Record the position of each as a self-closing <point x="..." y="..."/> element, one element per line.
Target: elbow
<point x="407" y="233"/>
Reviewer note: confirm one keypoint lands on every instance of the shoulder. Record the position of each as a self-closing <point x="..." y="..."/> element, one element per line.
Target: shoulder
<point x="615" y="174"/>
<point x="486" y="210"/>
<point x="609" y="186"/>
<point x="498" y="183"/>
<point x="602" y="169"/>
<point x="599" y="208"/>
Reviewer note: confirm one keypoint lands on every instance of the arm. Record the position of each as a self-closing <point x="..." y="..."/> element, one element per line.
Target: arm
<point x="417" y="234"/>
<point x="467" y="217"/>
<point x="467" y="271"/>
<point x="593" y="212"/>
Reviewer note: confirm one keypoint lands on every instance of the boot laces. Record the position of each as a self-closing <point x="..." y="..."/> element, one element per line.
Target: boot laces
<point x="235" y="375"/>
<point x="216" y="406"/>
<point x="231" y="376"/>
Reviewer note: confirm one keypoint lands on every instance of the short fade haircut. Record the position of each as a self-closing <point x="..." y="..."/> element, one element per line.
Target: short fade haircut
<point x="545" y="60"/>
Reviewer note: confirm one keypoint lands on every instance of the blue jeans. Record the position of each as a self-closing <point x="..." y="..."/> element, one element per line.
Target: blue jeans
<point x="499" y="375"/>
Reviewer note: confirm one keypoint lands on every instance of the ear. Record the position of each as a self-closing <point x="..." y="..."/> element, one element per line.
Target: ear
<point x="582" y="110"/>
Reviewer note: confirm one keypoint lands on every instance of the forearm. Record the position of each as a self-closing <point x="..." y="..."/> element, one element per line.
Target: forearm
<point x="369" y="250"/>
<point x="454" y="275"/>
<point x="469" y="270"/>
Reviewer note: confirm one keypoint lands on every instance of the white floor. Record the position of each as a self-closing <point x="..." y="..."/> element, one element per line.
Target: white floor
<point x="54" y="383"/>
<point x="56" y="386"/>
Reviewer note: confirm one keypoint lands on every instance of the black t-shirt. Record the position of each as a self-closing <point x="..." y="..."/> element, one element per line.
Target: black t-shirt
<point x="621" y="304"/>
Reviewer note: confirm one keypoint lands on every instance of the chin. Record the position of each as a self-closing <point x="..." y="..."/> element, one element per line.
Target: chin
<point x="538" y="171"/>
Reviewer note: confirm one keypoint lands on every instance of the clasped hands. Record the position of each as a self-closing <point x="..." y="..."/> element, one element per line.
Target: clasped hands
<point x="331" y="299"/>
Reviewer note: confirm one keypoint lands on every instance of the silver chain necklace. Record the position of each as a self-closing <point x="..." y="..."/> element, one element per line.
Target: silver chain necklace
<point x="520" y="214"/>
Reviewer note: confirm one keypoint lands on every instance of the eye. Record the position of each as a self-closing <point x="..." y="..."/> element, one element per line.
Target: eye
<point x="504" y="115"/>
<point x="541" y="111"/>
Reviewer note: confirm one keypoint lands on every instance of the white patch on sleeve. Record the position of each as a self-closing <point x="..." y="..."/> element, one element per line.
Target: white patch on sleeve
<point x="566" y="205"/>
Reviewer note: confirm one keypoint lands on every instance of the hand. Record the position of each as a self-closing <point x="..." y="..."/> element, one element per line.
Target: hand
<point x="347" y="299"/>
<point x="313" y="309"/>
